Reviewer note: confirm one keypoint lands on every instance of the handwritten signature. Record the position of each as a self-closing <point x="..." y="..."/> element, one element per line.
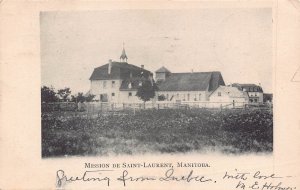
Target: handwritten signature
<point x="259" y="183"/>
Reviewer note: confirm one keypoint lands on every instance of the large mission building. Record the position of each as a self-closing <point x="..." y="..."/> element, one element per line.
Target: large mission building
<point x="117" y="82"/>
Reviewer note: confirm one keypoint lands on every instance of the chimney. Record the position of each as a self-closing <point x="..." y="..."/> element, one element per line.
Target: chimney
<point x="142" y="66"/>
<point x="109" y="66"/>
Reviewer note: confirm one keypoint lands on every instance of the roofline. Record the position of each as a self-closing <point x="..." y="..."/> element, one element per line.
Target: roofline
<point x="198" y="72"/>
<point x="182" y="90"/>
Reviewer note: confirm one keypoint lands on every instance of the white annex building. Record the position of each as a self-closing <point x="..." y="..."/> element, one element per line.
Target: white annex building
<point x="193" y="86"/>
<point x="229" y="94"/>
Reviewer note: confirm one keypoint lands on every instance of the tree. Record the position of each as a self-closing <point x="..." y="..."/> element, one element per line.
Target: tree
<point x="48" y="94"/>
<point x="78" y="97"/>
<point x="161" y="97"/>
<point x="147" y="90"/>
<point x="89" y="97"/>
<point x="63" y="94"/>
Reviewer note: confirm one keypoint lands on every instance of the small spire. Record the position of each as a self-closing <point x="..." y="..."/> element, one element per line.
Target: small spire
<point x="123" y="56"/>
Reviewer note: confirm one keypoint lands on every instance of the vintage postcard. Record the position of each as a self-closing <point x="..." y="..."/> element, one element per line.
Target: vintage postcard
<point x="150" y="95"/>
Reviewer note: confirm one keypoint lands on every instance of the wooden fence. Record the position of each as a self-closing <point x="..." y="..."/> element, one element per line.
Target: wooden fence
<point x="105" y="107"/>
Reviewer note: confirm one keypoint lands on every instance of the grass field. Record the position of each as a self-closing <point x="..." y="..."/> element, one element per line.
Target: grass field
<point x="158" y="131"/>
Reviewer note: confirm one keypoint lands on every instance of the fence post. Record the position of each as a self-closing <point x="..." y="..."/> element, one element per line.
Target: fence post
<point x="92" y="110"/>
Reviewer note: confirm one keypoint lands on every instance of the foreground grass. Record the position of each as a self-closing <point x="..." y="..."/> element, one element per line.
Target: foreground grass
<point x="158" y="131"/>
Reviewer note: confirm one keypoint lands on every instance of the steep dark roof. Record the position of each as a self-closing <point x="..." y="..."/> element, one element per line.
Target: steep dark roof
<point x="163" y="70"/>
<point x="248" y="87"/>
<point x="119" y="70"/>
<point x="198" y="81"/>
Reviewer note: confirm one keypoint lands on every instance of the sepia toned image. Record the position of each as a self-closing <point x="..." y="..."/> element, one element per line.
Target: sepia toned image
<point x="131" y="82"/>
<point x="149" y="94"/>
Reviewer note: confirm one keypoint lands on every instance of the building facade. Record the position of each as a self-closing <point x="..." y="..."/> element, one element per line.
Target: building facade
<point x="117" y="82"/>
<point x="228" y="95"/>
<point x="255" y="92"/>
<point x="195" y="86"/>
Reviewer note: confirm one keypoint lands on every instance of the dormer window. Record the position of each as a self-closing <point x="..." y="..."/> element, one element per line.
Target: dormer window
<point x="130" y="85"/>
<point x="140" y="83"/>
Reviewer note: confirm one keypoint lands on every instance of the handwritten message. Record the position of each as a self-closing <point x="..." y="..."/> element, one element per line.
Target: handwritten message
<point x="100" y="173"/>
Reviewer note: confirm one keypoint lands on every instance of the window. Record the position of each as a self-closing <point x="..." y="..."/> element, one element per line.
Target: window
<point x="199" y="97"/>
<point x="188" y="97"/>
<point x="104" y="84"/>
<point x="112" y="94"/>
<point x="177" y="96"/>
<point x="130" y="94"/>
<point x="255" y="94"/>
<point x="219" y="94"/>
<point x="167" y="97"/>
<point x="130" y="85"/>
<point x="112" y="84"/>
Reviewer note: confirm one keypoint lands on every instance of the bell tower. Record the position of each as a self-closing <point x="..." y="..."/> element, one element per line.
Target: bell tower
<point x="123" y="57"/>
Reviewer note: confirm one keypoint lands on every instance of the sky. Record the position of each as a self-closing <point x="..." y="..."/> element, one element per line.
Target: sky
<point x="236" y="42"/>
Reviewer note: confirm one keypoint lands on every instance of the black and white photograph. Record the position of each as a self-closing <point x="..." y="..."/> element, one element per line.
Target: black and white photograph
<point x="163" y="81"/>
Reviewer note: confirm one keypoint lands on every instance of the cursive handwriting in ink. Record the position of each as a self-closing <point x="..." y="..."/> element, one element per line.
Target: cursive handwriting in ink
<point x="258" y="175"/>
<point x="125" y="178"/>
<point x="279" y="186"/>
<point x="238" y="175"/>
<point x="62" y="177"/>
<point x="169" y="176"/>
